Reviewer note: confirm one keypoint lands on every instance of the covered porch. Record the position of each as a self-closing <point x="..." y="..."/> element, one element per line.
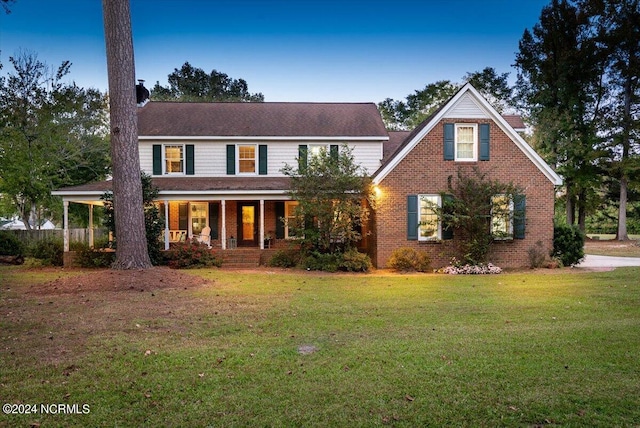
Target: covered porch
<point x="238" y="212"/>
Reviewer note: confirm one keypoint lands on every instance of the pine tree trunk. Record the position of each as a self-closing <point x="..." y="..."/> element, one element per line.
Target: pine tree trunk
<point x="131" y="251"/>
<point x="621" y="234"/>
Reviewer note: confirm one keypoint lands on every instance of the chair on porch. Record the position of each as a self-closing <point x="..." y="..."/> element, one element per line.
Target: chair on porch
<point x="205" y="236"/>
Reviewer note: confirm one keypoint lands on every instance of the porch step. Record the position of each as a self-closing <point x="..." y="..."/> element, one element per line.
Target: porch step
<point x="241" y="258"/>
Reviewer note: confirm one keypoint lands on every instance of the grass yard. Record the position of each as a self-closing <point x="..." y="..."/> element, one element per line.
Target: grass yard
<point x="277" y="348"/>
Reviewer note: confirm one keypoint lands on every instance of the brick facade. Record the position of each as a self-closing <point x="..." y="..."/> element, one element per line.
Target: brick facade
<point x="423" y="171"/>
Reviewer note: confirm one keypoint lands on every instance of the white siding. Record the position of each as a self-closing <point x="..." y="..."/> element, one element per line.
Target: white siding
<point x="211" y="156"/>
<point x="467" y="107"/>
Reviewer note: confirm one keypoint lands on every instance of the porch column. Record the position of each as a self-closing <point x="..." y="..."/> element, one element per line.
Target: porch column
<point x="262" y="224"/>
<point x="223" y="234"/>
<point x="65" y="226"/>
<point x="90" y="225"/>
<point x="166" y="225"/>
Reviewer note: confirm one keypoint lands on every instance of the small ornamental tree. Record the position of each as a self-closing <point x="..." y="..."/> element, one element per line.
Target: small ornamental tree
<point x="480" y="212"/>
<point x="334" y="195"/>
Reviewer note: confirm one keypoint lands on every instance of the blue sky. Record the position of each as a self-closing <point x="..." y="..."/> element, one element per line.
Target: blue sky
<point x="297" y="50"/>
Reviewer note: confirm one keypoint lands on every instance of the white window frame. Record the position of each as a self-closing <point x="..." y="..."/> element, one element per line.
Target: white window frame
<point x="182" y="159"/>
<point x="289" y="213"/>
<point x="474" y="127"/>
<point x="438" y="235"/>
<point x="502" y="235"/>
<point x="255" y="159"/>
<point x="192" y="208"/>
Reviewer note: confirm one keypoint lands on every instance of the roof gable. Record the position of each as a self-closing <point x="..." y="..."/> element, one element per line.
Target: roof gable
<point x="173" y="119"/>
<point x="466" y="103"/>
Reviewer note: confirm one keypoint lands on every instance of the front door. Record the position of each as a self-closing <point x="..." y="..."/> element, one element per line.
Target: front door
<point x="248" y="215"/>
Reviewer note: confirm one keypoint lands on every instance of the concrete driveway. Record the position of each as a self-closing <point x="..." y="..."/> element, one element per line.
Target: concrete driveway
<point x="591" y="261"/>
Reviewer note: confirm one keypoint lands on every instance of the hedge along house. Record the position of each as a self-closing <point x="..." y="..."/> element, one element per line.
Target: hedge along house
<point x="466" y="133"/>
<point x="218" y="165"/>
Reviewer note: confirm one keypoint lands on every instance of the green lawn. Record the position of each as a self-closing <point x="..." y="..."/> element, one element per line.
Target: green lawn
<point x="552" y="348"/>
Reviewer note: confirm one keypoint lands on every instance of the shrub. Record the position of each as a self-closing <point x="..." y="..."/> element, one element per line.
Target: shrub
<point x="191" y="254"/>
<point x="49" y="251"/>
<point x="93" y="258"/>
<point x="328" y="262"/>
<point x="568" y="244"/>
<point x="408" y="259"/>
<point x="10" y="245"/>
<point x="537" y="256"/>
<point x="355" y="261"/>
<point x="285" y="258"/>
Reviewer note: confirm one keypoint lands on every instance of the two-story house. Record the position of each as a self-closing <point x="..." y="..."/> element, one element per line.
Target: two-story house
<point x="219" y="165"/>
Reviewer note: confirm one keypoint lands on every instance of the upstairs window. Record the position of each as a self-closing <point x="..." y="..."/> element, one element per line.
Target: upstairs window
<point x="466" y="138"/>
<point x="247" y="159"/>
<point x="174" y="159"/>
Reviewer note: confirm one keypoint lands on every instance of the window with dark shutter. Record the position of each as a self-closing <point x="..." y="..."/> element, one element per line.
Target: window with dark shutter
<point x="519" y="217"/>
<point x="302" y="157"/>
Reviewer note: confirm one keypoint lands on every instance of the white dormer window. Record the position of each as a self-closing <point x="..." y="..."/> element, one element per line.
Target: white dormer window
<point x="174" y="159"/>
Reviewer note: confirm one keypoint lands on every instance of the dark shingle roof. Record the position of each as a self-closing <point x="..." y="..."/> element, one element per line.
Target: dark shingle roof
<point x="260" y="119"/>
<point x="396" y="138"/>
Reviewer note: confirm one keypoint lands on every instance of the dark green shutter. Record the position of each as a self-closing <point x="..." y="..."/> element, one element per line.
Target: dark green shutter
<point x="302" y="157"/>
<point x="412" y="217"/>
<point x="183" y="216"/>
<point x="447" y="209"/>
<point x="231" y="159"/>
<point x="449" y="141"/>
<point x="262" y="159"/>
<point x="334" y="152"/>
<point x="157" y="159"/>
<point x="214" y="213"/>
<point x="190" y="159"/>
<point x="519" y="218"/>
<point x="279" y="220"/>
<point x="484" y="141"/>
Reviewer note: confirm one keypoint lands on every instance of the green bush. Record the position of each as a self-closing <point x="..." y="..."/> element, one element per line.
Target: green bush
<point x="48" y="251"/>
<point x="408" y="259"/>
<point x="93" y="257"/>
<point x="328" y="262"/>
<point x="285" y="258"/>
<point x="191" y="254"/>
<point x="568" y="244"/>
<point x="350" y="261"/>
<point x="10" y="245"/>
<point x="355" y="261"/>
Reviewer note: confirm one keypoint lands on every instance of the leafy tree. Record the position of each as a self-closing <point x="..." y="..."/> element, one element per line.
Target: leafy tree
<point x="617" y="23"/>
<point x="131" y="252"/>
<point x="332" y="193"/>
<point x="560" y="86"/>
<point x="194" y="84"/>
<point x="468" y="209"/>
<point x="52" y="134"/>
<point x="5" y="5"/>
<point x="153" y="223"/>
<point x="406" y="115"/>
